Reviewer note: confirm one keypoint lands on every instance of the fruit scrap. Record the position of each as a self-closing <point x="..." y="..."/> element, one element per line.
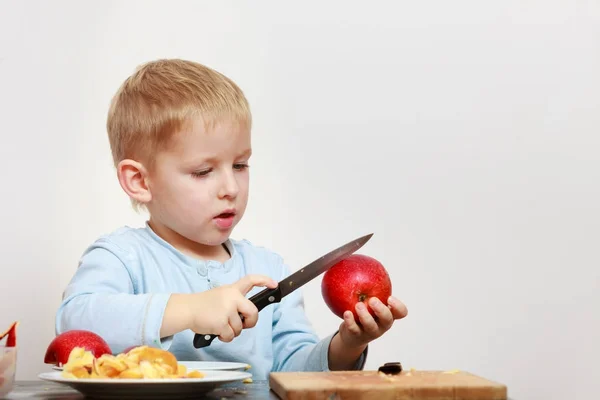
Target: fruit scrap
<point x="452" y="371"/>
<point x="142" y="362"/>
<point x="11" y="335"/>
<point x="387" y="377"/>
<point x="391" y="368"/>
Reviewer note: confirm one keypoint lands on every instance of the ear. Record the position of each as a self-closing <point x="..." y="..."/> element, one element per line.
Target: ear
<point x="133" y="178"/>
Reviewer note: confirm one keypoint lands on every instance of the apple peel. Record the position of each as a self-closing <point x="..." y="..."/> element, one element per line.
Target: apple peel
<point x="11" y="335"/>
<point x="142" y="362"/>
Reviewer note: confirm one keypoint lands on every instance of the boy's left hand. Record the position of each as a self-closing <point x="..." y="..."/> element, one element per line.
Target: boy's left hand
<point x="355" y="334"/>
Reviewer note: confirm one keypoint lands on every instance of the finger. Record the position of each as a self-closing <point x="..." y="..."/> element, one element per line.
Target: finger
<point x="227" y="334"/>
<point x="351" y="324"/>
<point x="398" y="308"/>
<point x="235" y="323"/>
<point x="382" y="312"/>
<point x="249" y="312"/>
<point x="245" y="284"/>
<point x="366" y="319"/>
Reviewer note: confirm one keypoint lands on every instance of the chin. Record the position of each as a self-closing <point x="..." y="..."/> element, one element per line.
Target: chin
<point x="216" y="239"/>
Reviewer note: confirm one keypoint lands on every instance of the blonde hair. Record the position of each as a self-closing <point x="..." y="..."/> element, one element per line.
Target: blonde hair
<point x="160" y="97"/>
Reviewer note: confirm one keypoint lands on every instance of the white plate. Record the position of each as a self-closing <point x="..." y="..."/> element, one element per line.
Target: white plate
<point x="215" y="365"/>
<point x="148" y="388"/>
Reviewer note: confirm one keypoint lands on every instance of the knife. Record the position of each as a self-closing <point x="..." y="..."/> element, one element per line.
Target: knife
<point x="294" y="281"/>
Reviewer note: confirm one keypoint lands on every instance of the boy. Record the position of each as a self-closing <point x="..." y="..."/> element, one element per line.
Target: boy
<point x="180" y="138"/>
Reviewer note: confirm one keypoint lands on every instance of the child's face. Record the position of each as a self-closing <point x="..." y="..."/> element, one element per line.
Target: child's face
<point x="199" y="185"/>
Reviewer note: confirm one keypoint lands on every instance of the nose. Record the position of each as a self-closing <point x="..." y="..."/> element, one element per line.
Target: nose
<point x="229" y="186"/>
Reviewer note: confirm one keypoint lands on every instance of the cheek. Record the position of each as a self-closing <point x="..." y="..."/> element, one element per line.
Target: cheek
<point x="193" y="196"/>
<point x="243" y="182"/>
<point x="174" y="193"/>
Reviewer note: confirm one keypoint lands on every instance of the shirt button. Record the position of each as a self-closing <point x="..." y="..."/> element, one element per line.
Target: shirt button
<point x="202" y="270"/>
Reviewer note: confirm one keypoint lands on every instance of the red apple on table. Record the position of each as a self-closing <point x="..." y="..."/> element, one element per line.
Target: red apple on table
<point x="59" y="349"/>
<point x="355" y="279"/>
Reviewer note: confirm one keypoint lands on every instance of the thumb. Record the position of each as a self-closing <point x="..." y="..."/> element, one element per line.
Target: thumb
<point x="245" y="284"/>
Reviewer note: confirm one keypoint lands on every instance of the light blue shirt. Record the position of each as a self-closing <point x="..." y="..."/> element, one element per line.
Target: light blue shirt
<point x="122" y="285"/>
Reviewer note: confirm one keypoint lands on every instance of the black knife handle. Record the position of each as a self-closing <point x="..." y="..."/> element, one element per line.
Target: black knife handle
<point x="203" y="340"/>
<point x="266" y="297"/>
<point x="260" y="300"/>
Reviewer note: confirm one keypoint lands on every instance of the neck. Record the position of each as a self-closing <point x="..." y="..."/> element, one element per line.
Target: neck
<point x="189" y="247"/>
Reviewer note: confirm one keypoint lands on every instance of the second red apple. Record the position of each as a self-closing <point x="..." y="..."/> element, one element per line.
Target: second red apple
<point x="355" y="279"/>
<point x="60" y="347"/>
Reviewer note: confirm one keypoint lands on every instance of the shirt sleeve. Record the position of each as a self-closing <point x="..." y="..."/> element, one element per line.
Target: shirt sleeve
<point x="296" y="347"/>
<point x="101" y="298"/>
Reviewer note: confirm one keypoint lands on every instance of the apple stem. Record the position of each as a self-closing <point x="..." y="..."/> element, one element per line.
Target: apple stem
<point x="362" y="297"/>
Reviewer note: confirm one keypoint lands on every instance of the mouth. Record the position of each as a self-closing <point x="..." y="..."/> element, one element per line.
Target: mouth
<point x="225" y="220"/>
<point x="226" y="214"/>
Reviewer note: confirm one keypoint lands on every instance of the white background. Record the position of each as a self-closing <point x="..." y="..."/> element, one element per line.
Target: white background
<point x="464" y="134"/>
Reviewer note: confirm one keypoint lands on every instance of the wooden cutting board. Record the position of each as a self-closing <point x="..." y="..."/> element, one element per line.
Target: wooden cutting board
<point x="373" y="385"/>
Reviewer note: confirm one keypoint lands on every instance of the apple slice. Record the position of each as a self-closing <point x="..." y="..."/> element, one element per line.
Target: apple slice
<point x="11" y="340"/>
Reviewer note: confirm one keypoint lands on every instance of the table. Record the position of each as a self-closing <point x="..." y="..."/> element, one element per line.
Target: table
<point x="42" y="390"/>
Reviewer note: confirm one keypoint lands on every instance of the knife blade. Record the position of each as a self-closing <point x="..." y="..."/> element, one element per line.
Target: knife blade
<point x="294" y="281"/>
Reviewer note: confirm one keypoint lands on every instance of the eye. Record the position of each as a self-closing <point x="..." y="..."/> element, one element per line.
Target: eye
<point x="199" y="174"/>
<point x="240" y="166"/>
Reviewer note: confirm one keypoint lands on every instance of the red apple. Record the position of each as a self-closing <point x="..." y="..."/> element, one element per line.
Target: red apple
<point x="11" y="335"/>
<point x="355" y="279"/>
<point x="59" y="349"/>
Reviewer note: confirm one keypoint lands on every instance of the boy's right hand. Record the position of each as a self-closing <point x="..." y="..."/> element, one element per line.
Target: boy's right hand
<point x="218" y="310"/>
